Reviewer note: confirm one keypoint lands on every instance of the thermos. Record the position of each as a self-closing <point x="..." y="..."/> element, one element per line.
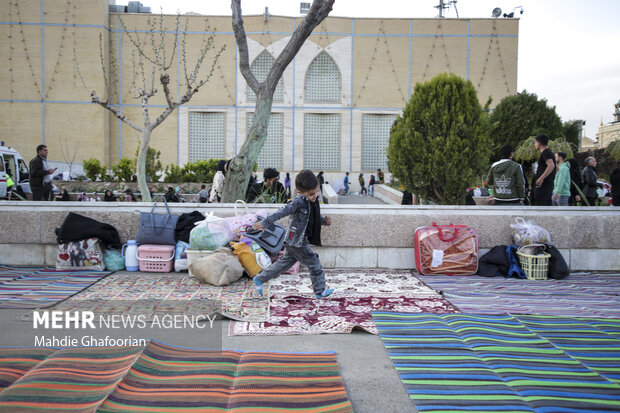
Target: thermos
<point x="130" y="254"/>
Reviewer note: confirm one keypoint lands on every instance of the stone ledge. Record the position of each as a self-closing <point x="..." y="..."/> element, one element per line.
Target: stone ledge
<point x="337" y="257"/>
<point x="356" y="226"/>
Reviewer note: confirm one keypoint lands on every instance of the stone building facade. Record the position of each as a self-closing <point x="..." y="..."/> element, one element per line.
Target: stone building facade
<point x="332" y="111"/>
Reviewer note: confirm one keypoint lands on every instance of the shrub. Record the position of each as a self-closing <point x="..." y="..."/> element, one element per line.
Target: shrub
<point x="93" y="169"/>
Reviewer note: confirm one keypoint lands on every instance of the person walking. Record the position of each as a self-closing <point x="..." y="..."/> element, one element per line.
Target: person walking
<point x="346" y="183"/>
<point x="362" y="182"/>
<point x="561" y="183"/>
<point x="41" y="175"/>
<point x="590" y="184"/>
<point x="304" y="229"/>
<point x="545" y="173"/>
<point x="218" y="181"/>
<point x="371" y="185"/>
<point x="287" y="185"/>
<point x="506" y="179"/>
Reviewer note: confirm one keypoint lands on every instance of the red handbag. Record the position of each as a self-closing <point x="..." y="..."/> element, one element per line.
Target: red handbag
<point x="446" y="249"/>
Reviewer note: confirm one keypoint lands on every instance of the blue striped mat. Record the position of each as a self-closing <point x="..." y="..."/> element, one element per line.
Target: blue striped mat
<point x="38" y="287"/>
<point x="500" y="363"/>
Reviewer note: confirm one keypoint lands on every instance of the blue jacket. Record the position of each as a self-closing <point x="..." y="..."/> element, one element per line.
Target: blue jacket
<point x="299" y="209"/>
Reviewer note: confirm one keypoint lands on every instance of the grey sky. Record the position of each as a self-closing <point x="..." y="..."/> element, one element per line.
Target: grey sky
<point x="567" y="49"/>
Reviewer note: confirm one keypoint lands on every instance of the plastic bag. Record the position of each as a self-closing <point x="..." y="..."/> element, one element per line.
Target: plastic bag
<point x="220" y="267"/>
<point x="251" y="255"/>
<point x="210" y="234"/>
<point x="527" y="232"/>
<point x="239" y="224"/>
<point x="113" y="260"/>
<point x="180" y="256"/>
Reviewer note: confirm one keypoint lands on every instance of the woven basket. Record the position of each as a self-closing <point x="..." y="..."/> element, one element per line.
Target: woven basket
<point x="535" y="267"/>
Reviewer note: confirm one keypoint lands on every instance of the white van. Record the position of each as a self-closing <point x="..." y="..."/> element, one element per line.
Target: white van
<point x="12" y="165"/>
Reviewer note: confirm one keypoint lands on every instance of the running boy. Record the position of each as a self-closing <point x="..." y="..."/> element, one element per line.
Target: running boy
<point x="304" y="229"/>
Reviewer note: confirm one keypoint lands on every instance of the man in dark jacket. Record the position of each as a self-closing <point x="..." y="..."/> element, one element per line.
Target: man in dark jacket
<point x="506" y="179"/>
<point x="41" y="175"/>
<point x="590" y="185"/>
<point x="268" y="191"/>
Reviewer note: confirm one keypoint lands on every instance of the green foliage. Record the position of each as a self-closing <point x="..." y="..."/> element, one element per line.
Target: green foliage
<point x="123" y="170"/>
<point x="440" y="144"/>
<point x="613" y="151"/>
<point x="93" y="169"/>
<point x="520" y="116"/>
<point x="527" y="151"/>
<point x="199" y="171"/>
<point x="153" y="163"/>
<point x="571" y="132"/>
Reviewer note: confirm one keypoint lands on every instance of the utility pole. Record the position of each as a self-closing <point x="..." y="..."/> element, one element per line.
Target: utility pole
<point x="441" y="7"/>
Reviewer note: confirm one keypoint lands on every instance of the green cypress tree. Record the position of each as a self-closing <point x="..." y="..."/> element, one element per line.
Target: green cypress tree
<point x="439" y="146"/>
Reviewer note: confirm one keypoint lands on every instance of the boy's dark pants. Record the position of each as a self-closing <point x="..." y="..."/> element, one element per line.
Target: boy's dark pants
<point x="304" y="255"/>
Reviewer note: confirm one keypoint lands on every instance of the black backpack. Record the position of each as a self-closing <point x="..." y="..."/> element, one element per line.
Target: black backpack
<point x="558" y="268"/>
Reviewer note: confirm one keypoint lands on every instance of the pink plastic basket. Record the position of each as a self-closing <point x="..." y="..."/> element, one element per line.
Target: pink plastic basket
<point x="155" y="258"/>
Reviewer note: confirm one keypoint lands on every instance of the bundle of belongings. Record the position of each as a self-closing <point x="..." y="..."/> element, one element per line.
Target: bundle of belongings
<point x="223" y="249"/>
<point x="84" y="243"/>
<point x="531" y="243"/>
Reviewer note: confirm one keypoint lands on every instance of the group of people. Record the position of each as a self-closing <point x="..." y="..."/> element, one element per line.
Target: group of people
<point x="371" y="183"/>
<point x="558" y="181"/>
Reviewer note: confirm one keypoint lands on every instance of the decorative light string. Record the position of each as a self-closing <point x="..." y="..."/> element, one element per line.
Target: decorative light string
<point x="494" y="41"/>
<point x="381" y="35"/>
<point x="25" y="45"/>
<point x="438" y="35"/>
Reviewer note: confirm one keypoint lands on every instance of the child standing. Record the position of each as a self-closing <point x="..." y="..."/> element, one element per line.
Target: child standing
<point x="304" y="229"/>
<point x="363" y="185"/>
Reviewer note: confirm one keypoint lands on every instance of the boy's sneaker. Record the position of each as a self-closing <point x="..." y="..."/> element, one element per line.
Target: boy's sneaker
<point x="325" y="294"/>
<point x="258" y="285"/>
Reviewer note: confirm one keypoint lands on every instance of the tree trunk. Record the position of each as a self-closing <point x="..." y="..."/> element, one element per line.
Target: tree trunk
<point x="241" y="166"/>
<point x="141" y="165"/>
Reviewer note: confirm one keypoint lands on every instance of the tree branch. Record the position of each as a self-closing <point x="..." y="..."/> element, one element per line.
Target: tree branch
<point x="116" y="113"/>
<point x="242" y="43"/>
<point x="318" y="12"/>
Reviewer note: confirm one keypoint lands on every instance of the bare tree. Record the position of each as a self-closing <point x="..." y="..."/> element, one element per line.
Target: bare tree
<point x="69" y="152"/>
<point x="241" y="165"/>
<point x="159" y="61"/>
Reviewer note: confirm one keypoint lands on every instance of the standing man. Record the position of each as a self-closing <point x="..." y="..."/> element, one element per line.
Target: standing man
<point x="545" y="173"/>
<point x="590" y="185"/>
<point x="561" y="183"/>
<point x="506" y="179"/>
<point x="41" y="175"/>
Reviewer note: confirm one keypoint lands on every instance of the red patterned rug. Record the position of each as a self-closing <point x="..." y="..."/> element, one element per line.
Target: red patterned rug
<point x="294" y="310"/>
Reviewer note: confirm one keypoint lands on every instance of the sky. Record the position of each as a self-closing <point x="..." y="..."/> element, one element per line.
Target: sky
<point x="568" y="50"/>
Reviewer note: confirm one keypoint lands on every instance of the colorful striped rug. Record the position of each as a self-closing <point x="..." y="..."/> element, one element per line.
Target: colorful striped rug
<point x="164" y="378"/>
<point x="75" y="379"/>
<point x="37" y="287"/>
<point x="498" y="363"/>
<point x="579" y="295"/>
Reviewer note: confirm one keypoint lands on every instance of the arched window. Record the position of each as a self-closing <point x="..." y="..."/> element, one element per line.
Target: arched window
<point x="261" y="67"/>
<point x="323" y="80"/>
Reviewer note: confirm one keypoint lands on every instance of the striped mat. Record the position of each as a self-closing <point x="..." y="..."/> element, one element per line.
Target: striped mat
<point x="164" y="378"/>
<point x="499" y="363"/>
<point x="579" y="295"/>
<point x="38" y="287"/>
